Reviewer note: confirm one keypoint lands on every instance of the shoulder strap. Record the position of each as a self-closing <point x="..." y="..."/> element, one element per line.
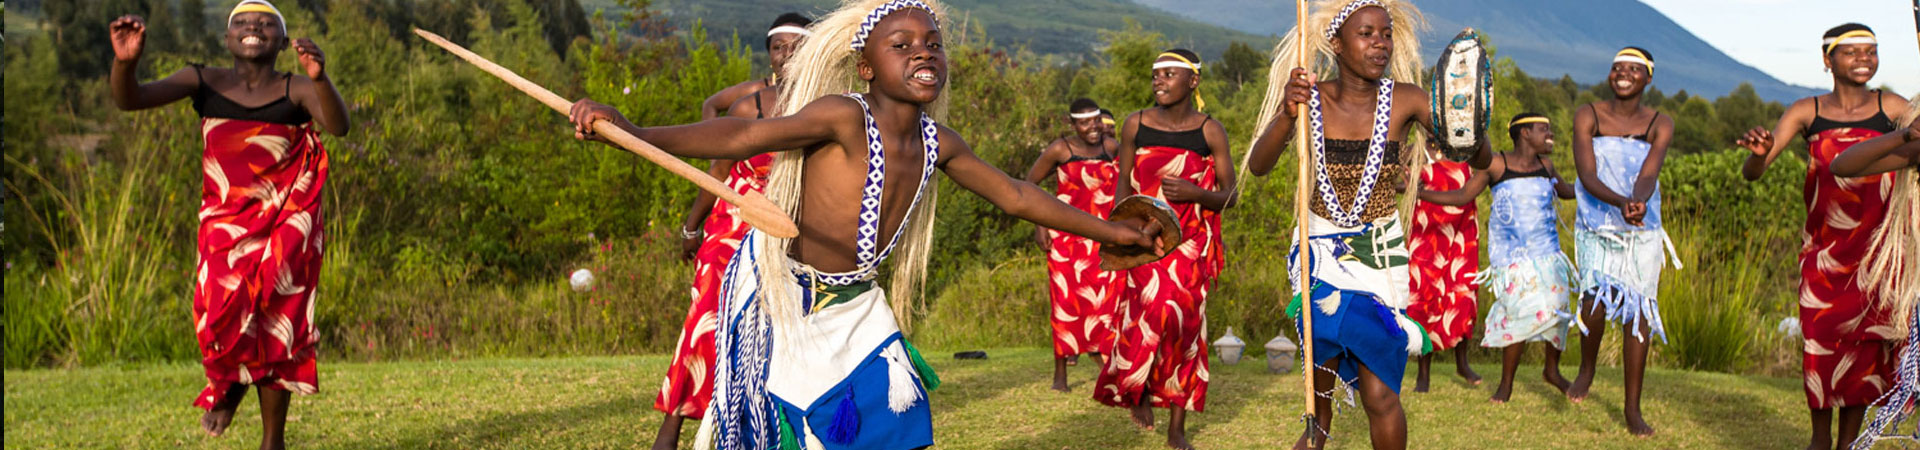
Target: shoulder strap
<point x="1650" y="124"/>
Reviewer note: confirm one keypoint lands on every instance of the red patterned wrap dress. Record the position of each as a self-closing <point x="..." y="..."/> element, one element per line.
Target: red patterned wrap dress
<point x="1445" y="248"/>
<point x="1083" y="296"/>
<point x="1848" y="354"/>
<point x="259" y="246"/>
<point x="1161" y="351"/>
<point x="688" y="385"/>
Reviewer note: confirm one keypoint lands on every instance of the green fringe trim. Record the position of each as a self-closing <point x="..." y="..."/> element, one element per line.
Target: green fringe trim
<point x="1293" y="307"/>
<point x="928" y="379"/>
<point x="787" y="440"/>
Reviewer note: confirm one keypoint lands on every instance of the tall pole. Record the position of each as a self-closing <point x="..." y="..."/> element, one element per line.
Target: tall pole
<point x="1301" y="213"/>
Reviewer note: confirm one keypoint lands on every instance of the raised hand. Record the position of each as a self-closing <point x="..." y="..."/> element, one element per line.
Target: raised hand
<point x="311" y="58"/>
<point x="1758" y="140"/>
<point x="129" y="36"/>
<point x="1299" y="92"/>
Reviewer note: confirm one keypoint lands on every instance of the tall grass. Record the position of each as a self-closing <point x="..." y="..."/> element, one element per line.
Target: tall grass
<point x="119" y="267"/>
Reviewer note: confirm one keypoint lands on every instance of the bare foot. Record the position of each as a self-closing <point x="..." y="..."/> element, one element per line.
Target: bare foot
<point x="1558" y="382"/>
<point x="1178" y="441"/>
<point x="1142" y="416"/>
<point x="1500" y="395"/>
<point x="1577" y="392"/>
<point x="216" y="420"/>
<point x="1467" y="372"/>
<point x="1638" y="426"/>
<point x="1061" y="385"/>
<point x="1420" y="385"/>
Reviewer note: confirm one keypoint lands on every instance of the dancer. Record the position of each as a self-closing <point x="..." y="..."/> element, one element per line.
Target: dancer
<point x="1618" y="239"/>
<point x="1847" y="358"/>
<point x="1893" y="264"/>
<point x="1362" y="115"/>
<point x="1083" y="295"/>
<point x="1107" y="123"/>
<point x="260" y="216"/>
<point x="1529" y="275"/>
<point x="711" y="234"/>
<point x="1445" y="248"/>
<point x="1176" y="153"/>
<point x="810" y="350"/>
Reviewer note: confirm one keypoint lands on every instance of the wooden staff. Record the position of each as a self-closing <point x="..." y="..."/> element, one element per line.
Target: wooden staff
<point x="1301" y="214"/>
<point x="755" y="209"/>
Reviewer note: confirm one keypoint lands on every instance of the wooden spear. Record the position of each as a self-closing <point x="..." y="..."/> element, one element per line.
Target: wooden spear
<point x="1301" y="214"/>
<point x="755" y="209"/>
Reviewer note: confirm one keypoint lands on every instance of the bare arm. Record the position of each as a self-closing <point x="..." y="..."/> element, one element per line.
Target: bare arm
<point x="1584" y="166"/>
<point x="1221" y="196"/>
<point x="1893" y="151"/>
<point x="321" y="99"/>
<point x="1123" y="186"/>
<point x="825" y="120"/>
<point x="1765" y="146"/>
<point x="1272" y="143"/>
<point x="129" y="37"/>
<point x="1024" y="200"/>
<point x="1463" y="196"/>
<point x="1050" y="158"/>
<point x="1649" y="177"/>
<point x="1560" y="185"/>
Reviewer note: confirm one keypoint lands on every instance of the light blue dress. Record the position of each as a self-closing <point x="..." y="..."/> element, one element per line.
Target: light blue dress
<point x="1620" y="263"/>
<point x="1529" y="275"/>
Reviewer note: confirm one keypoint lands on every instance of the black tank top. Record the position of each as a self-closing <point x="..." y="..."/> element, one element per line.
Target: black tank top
<point x="1642" y="137"/>
<point x="210" y="104"/>
<point x="1511" y="174"/>
<point x="1194" y="140"/>
<point x="1879" y="122"/>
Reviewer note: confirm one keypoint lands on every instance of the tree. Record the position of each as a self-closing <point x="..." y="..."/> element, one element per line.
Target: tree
<point x="1240" y="63"/>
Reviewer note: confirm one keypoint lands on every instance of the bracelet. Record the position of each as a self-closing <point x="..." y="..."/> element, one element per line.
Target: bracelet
<point x="689" y="234"/>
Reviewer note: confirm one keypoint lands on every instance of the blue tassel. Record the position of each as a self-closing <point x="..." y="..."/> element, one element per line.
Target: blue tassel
<point x="846" y="421"/>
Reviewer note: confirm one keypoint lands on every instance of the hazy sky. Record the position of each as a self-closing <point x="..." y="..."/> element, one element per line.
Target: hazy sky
<point x="1782" y="37"/>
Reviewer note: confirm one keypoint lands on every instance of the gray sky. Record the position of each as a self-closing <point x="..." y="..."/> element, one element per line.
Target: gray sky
<point x="1782" y="37"/>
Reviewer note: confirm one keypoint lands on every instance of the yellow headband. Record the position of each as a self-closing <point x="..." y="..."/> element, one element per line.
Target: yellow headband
<point x="1528" y="121"/>
<point x="1628" y="55"/>
<point x="1106" y="120"/>
<point x="1181" y="61"/>
<point x="257" y="6"/>
<point x="1850" y="37"/>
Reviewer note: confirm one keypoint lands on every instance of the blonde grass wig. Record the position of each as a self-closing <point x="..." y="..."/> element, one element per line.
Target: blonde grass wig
<point x="1403" y="66"/>
<point x="1894" y="258"/>
<point x="824" y="65"/>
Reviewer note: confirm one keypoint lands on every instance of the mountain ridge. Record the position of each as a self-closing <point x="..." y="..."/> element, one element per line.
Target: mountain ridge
<point x="1546" y="38"/>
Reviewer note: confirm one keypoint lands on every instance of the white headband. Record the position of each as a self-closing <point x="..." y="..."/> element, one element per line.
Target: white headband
<point x="259" y="6"/>
<point x="1333" y="28"/>
<point x="1085" y="115"/>
<point x="789" y="29"/>
<point x="873" y="18"/>
<point x="1852" y="40"/>
<point x="1635" y="60"/>
<point x="1175" y="65"/>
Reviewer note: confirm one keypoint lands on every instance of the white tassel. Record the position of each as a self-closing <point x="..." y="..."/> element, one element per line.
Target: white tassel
<point x="703" y="439"/>
<point x="903" y="390"/>
<point x="813" y="442"/>
<point x="1412" y="331"/>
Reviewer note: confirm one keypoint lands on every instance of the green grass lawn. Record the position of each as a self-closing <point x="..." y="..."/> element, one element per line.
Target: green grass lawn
<point x="999" y="403"/>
